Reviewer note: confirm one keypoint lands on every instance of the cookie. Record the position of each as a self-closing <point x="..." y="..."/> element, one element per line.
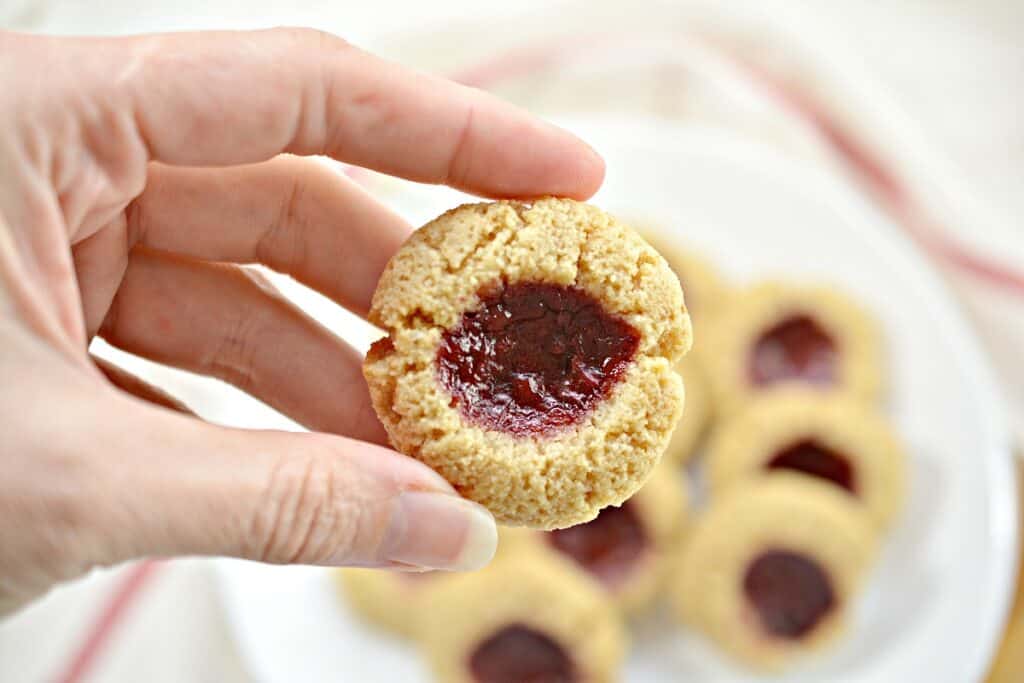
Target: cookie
<point x="698" y="415"/>
<point x="529" y="357"/>
<point x="389" y="600"/>
<point x="775" y="335"/>
<point x="393" y="600"/>
<point x="706" y="291"/>
<point x="526" y="619"/>
<point x="706" y="294"/>
<point x="626" y="548"/>
<point x="771" y="568"/>
<point x="832" y="438"/>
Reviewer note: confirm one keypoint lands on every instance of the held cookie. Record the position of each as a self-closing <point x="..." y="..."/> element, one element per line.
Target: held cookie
<point x="771" y="568"/>
<point x="525" y="619"/>
<point x="529" y="357"/>
<point x="776" y="335"/>
<point x="833" y="438"/>
<point x="626" y="548"/>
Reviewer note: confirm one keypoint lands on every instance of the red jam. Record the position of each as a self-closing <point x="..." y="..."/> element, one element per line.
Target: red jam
<point x="797" y="348"/>
<point x="534" y="357"/>
<point x="607" y="546"/>
<point x="517" y="654"/>
<point x="790" y="593"/>
<point x="812" y="458"/>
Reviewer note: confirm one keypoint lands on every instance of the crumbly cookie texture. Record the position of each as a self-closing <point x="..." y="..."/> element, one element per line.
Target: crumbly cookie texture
<point x="733" y="335"/>
<point x="549" y="480"/>
<point x="526" y="591"/>
<point x="780" y="513"/>
<point x="659" y="511"/>
<point x="805" y="423"/>
<point x="689" y="432"/>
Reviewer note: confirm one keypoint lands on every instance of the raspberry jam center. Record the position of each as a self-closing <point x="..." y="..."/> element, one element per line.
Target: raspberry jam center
<point x="812" y="458"/>
<point x="607" y="546"/>
<point x="517" y="654"/>
<point x="534" y="357"/>
<point x="796" y="348"/>
<point x="790" y="593"/>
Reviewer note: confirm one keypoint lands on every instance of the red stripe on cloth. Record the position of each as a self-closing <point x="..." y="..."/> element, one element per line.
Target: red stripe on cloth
<point x="105" y="624"/>
<point x="884" y="183"/>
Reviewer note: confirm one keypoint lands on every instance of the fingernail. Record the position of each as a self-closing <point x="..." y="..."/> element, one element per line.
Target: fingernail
<point x="439" y="531"/>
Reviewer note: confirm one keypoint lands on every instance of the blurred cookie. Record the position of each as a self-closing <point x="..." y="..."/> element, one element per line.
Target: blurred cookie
<point x="770" y="569"/>
<point x="626" y="549"/>
<point x="706" y="294"/>
<point x="387" y="599"/>
<point x="776" y="335"/>
<point x="706" y="291"/>
<point x="529" y="357"/>
<point x="832" y="438"/>
<point x="393" y="600"/>
<point x="526" y="619"/>
<point x="697" y="414"/>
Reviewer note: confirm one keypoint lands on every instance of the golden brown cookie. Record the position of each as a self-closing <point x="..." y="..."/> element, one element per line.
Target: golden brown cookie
<point x="706" y="295"/>
<point x="706" y="291"/>
<point x="390" y="600"/>
<point x="697" y="417"/>
<point x="771" y="568"/>
<point x="529" y="357"/>
<point x="831" y="437"/>
<point x="529" y="618"/>
<point x="627" y="548"/>
<point x="775" y="335"/>
<point x="393" y="600"/>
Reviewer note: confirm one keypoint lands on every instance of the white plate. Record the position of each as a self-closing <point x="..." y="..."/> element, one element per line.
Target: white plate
<point x="935" y="604"/>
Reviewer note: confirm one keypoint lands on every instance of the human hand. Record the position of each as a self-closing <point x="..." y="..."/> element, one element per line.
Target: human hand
<point x="136" y="176"/>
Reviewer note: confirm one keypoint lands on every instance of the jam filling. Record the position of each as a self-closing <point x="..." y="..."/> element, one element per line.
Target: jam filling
<point x="797" y="348"/>
<point x="790" y="593"/>
<point x="814" y="459"/>
<point x="607" y="546"/>
<point x="517" y="654"/>
<point x="534" y="357"/>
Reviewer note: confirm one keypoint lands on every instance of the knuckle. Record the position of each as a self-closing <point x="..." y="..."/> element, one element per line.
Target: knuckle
<point x="282" y="244"/>
<point x="305" y="36"/>
<point x="234" y="358"/>
<point x="300" y="519"/>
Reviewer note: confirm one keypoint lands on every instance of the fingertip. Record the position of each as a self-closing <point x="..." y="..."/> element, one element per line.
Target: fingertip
<point x="440" y="531"/>
<point x="576" y="169"/>
<point x="591" y="172"/>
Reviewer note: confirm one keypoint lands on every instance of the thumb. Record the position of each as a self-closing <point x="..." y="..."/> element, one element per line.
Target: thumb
<point x="281" y="497"/>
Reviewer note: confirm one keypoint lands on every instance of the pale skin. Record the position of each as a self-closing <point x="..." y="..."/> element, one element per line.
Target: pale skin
<point x="138" y="176"/>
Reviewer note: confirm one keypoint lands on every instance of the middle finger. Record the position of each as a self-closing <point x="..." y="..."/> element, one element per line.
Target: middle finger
<point x="296" y="216"/>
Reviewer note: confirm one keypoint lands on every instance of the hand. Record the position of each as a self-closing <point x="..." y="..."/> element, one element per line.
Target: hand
<point x="137" y="175"/>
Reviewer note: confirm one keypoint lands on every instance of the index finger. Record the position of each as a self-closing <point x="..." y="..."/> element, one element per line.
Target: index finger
<point x="229" y="98"/>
